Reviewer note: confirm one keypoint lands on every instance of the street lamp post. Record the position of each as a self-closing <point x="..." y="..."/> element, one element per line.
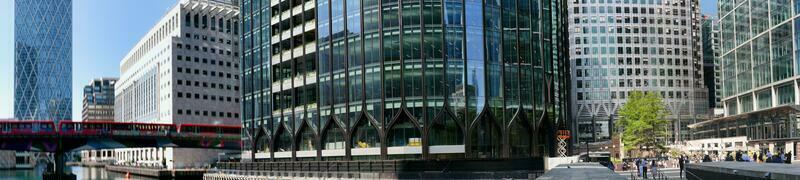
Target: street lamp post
<point x="587" y="151"/>
<point x="594" y="131"/>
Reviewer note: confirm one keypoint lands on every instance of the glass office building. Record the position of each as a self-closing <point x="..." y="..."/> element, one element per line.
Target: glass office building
<point x="43" y="60"/>
<point x="400" y="79"/>
<point x="711" y="64"/>
<point x="759" y="56"/>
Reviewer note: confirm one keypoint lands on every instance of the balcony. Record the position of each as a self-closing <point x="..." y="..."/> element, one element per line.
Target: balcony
<point x="297" y="30"/>
<point x="310" y="5"/>
<point x="297" y="10"/>
<point x="311" y="47"/>
<point x="310" y="25"/>
<point x="298" y="51"/>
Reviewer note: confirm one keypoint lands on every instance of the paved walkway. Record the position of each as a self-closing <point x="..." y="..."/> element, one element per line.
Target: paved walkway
<point x="581" y="171"/>
<point x="670" y="173"/>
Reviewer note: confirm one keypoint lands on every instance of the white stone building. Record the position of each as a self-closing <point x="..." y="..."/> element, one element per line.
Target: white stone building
<point x="183" y="71"/>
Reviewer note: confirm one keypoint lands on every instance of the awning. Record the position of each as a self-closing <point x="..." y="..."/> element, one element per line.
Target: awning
<point x="784" y="109"/>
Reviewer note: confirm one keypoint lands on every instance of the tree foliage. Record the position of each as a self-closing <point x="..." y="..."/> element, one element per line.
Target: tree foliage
<point x="643" y="120"/>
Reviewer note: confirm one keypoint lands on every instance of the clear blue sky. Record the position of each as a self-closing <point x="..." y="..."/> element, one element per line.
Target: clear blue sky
<point x="708" y="7"/>
<point x="103" y="31"/>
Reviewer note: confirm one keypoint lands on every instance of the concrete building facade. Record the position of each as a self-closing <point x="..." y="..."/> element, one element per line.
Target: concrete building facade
<point x="98" y="100"/>
<point x="634" y="45"/>
<point x="183" y="71"/>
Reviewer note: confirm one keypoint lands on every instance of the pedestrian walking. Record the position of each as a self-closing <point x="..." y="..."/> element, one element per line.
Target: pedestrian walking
<point x="680" y="165"/>
<point x="638" y="163"/>
<point x="644" y="168"/>
<point x="654" y="168"/>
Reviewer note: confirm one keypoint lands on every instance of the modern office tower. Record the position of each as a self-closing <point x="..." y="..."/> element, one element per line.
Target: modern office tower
<point x="645" y="45"/>
<point x="98" y="100"/>
<point x="43" y="60"/>
<point x="184" y="70"/>
<point x="372" y="80"/>
<point x="711" y="63"/>
<point x="759" y="79"/>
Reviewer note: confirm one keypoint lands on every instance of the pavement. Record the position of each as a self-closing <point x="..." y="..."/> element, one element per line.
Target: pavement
<point x="670" y="173"/>
<point x="580" y="171"/>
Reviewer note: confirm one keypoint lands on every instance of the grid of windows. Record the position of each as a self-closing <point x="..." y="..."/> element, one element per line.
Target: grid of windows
<point x="187" y="52"/>
<point x="757" y="53"/>
<point x="647" y="45"/>
<point x="98" y="100"/>
<point x="405" y="79"/>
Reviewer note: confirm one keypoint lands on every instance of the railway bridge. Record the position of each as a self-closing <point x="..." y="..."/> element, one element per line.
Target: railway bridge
<point x="66" y="136"/>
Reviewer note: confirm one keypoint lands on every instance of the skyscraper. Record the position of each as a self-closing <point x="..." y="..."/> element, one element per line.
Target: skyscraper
<point x="711" y="64"/>
<point x="368" y="80"/>
<point x="647" y="45"/>
<point x="43" y="60"/>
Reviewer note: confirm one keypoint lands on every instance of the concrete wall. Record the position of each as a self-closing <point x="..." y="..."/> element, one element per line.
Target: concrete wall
<point x="8" y="159"/>
<point x="193" y="158"/>
<point x="550" y="163"/>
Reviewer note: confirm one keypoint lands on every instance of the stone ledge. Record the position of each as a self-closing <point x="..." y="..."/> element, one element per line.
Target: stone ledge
<point x="742" y="170"/>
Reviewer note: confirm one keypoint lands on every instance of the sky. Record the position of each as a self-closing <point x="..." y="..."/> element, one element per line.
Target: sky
<point x="103" y="31"/>
<point x="708" y="7"/>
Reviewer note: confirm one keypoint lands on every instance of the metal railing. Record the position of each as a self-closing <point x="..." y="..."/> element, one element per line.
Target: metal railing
<point x="387" y="165"/>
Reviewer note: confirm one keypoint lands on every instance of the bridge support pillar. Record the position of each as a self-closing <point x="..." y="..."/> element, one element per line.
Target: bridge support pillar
<point x="59" y="164"/>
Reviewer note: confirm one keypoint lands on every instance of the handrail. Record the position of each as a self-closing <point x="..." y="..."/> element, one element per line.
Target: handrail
<point x="352" y="166"/>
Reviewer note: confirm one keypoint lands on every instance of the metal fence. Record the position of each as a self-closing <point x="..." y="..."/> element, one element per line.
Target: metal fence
<point x="490" y="169"/>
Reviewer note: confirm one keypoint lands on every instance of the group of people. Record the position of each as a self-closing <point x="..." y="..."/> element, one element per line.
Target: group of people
<point x="650" y="167"/>
<point x="643" y="165"/>
<point x="763" y="156"/>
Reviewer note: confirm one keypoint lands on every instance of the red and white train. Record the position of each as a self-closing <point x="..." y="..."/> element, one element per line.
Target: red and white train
<point x="49" y="128"/>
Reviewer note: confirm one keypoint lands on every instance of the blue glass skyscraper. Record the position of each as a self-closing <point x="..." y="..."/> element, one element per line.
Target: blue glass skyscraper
<point x="43" y="59"/>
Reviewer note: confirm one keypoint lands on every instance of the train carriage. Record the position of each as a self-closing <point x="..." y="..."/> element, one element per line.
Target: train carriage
<point x="10" y="128"/>
<point x="116" y="128"/>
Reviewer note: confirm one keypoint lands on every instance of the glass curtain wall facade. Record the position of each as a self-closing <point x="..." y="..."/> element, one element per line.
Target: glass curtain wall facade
<point x="711" y="64"/>
<point x="619" y="46"/>
<point x="758" y="54"/>
<point x="43" y="60"/>
<point x="759" y="57"/>
<point x="403" y="79"/>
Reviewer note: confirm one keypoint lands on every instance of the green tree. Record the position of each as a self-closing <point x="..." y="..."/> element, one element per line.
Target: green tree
<point x="643" y="120"/>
